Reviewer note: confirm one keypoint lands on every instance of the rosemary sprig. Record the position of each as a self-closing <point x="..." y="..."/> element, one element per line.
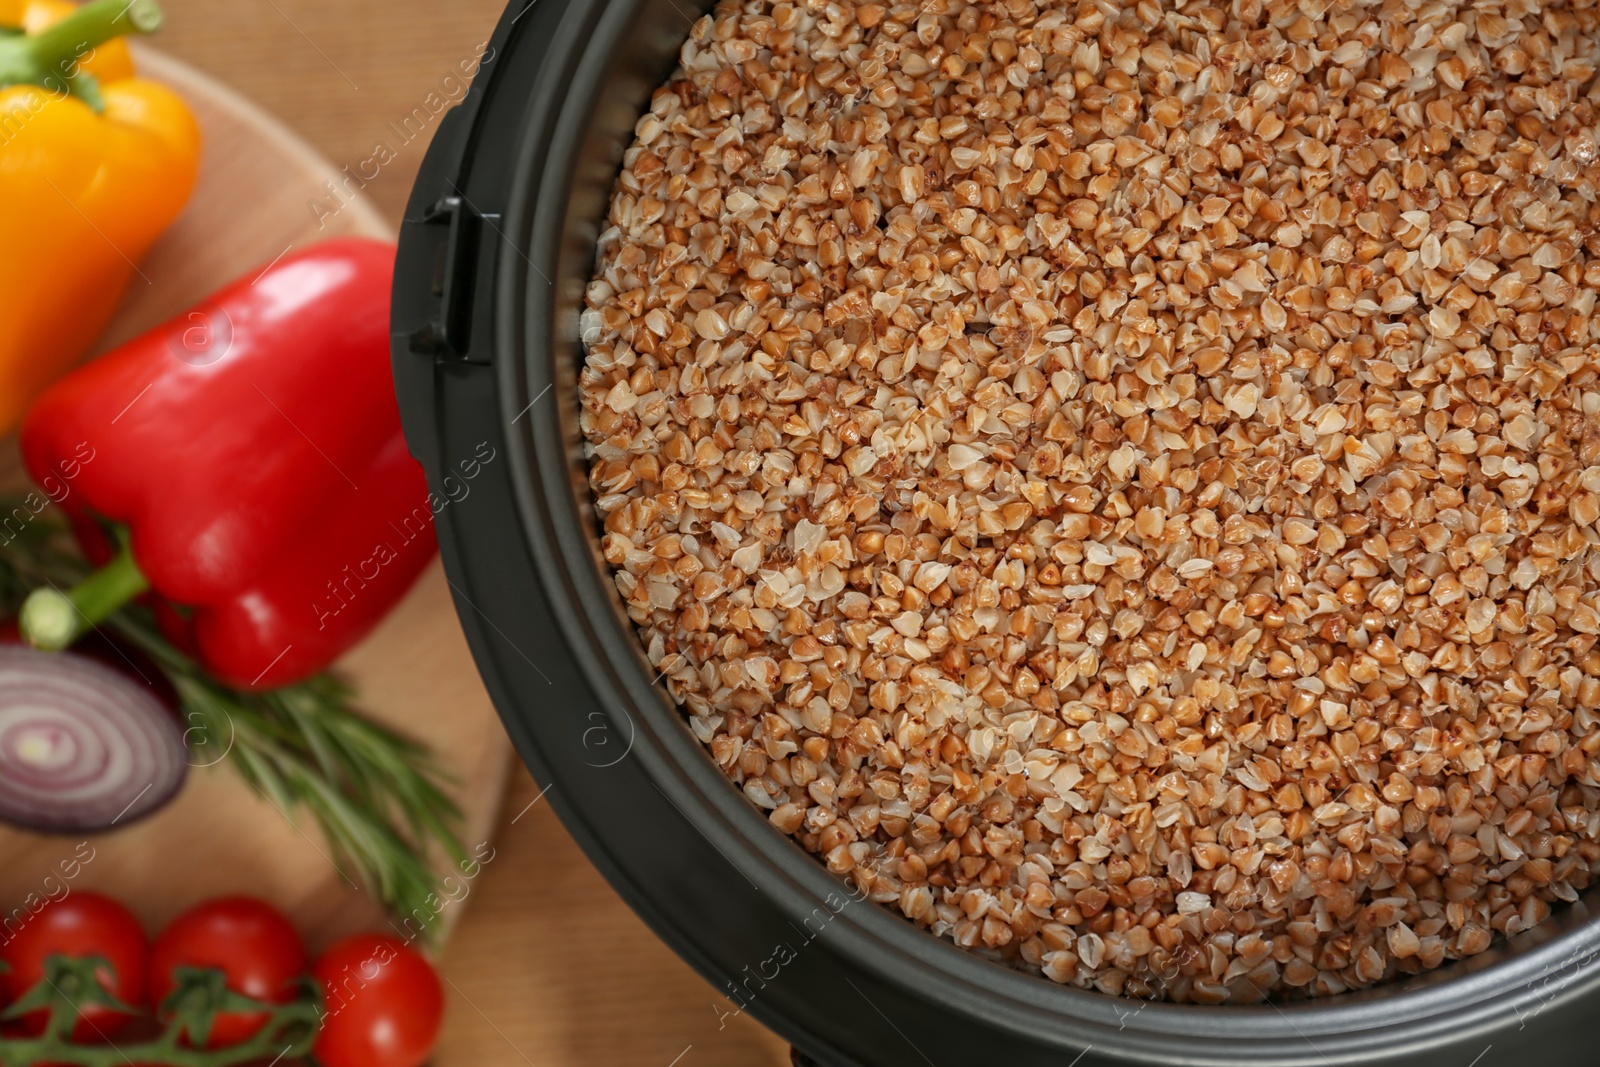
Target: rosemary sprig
<point x="376" y="795"/>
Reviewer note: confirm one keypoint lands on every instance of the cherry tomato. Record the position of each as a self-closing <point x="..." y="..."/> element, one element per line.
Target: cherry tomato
<point x="383" y="1004"/>
<point x="79" y="925"/>
<point x="249" y="941"/>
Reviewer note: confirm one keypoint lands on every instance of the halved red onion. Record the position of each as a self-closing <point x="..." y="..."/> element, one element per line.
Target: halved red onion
<point x="83" y="746"/>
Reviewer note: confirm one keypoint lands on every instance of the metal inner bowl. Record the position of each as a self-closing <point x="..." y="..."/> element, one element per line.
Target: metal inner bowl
<point x="549" y="123"/>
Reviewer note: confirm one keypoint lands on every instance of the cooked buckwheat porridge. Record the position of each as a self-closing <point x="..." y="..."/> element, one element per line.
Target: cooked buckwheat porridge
<point x="1119" y="481"/>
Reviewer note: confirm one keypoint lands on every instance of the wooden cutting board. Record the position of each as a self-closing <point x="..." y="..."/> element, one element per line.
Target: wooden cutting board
<point x="414" y="674"/>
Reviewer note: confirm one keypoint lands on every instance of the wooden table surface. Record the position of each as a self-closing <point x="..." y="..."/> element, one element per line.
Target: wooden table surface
<point x="548" y="968"/>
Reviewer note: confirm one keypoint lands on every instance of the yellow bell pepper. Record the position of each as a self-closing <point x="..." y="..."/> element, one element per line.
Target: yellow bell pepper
<point x="94" y="164"/>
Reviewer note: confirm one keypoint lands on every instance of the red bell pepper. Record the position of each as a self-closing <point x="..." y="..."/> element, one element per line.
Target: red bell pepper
<point x="248" y="460"/>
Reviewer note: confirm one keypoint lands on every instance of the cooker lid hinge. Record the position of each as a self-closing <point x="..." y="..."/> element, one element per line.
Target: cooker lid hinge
<point x="450" y="332"/>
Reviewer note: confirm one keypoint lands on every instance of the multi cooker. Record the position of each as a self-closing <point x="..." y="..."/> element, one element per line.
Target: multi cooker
<point x="497" y="247"/>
